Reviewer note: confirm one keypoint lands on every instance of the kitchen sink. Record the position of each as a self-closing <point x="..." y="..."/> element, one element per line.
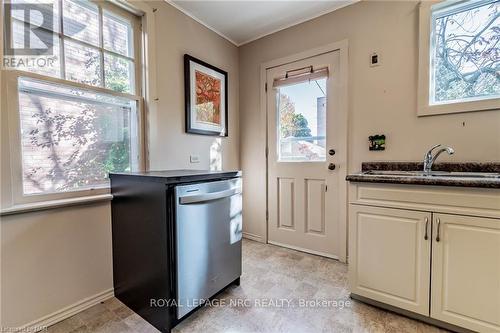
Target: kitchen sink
<point x="433" y="174"/>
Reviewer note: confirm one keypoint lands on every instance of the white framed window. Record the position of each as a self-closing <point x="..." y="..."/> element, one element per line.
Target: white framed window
<point x="459" y="56"/>
<point x="93" y="43"/>
<point x="73" y="147"/>
<point x="75" y="121"/>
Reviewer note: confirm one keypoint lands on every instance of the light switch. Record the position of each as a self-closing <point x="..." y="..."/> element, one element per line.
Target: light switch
<point x="374" y="59"/>
<point x="194" y="158"/>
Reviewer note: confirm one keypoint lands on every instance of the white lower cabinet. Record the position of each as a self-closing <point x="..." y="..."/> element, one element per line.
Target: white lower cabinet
<point x="391" y="262"/>
<point x="466" y="272"/>
<point x="429" y="257"/>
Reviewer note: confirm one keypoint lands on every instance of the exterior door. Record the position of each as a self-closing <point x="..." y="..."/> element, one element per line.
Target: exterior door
<point x="306" y="142"/>
<point x="466" y="271"/>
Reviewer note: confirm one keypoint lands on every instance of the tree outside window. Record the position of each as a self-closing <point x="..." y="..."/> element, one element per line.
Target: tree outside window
<point x="466" y="54"/>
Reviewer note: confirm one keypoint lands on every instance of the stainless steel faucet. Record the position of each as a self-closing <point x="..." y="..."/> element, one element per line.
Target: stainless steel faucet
<point x="429" y="159"/>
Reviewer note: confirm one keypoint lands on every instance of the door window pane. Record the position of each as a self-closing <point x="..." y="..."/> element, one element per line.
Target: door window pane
<point x="72" y="138"/>
<point x="83" y="64"/>
<point x="302" y="122"/>
<point x="81" y="21"/>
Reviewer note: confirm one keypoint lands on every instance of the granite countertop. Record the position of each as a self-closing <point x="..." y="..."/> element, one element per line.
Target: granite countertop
<point x="444" y="174"/>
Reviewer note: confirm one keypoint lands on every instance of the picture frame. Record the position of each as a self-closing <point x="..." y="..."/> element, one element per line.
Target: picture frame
<point x="206" y="98"/>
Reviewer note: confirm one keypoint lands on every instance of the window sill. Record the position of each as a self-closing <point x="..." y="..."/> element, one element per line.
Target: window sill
<point x="425" y="110"/>
<point x="52" y="204"/>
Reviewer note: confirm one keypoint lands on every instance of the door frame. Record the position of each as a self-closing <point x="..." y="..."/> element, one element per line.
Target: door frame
<point x="341" y="46"/>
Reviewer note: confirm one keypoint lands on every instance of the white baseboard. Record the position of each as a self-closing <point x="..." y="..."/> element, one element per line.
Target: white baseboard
<point x="253" y="237"/>
<point x="64" y="313"/>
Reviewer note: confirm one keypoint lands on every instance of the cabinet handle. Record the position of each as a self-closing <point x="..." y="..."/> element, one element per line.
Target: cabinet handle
<point x="426" y="237"/>
<point x="438" y="229"/>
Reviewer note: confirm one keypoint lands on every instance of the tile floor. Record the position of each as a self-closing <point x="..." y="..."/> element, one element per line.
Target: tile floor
<point x="270" y="274"/>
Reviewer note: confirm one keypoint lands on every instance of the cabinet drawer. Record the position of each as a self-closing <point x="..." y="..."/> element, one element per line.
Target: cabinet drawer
<point x="454" y="200"/>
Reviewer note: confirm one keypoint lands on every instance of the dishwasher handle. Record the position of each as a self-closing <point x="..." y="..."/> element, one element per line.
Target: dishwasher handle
<point x="189" y="199"/>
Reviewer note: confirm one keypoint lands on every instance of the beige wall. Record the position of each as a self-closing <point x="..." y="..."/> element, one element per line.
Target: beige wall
<point x="170" y="146"/>
<point x="55" y="258"/>
<point x="381" y="99"/>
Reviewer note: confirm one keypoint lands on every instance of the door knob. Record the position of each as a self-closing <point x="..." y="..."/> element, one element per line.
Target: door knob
<point x="331" y="166"/>
<point x="331" y="152"/>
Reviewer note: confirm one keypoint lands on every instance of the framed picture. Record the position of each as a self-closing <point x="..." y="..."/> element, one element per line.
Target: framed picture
<point x="206" y="98"/>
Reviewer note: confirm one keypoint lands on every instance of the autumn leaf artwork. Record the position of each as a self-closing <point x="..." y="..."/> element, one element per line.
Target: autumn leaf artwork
<point x="208" y="99"/>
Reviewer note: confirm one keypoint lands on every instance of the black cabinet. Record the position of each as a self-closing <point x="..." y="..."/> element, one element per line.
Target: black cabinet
<point x="143" y="229"/>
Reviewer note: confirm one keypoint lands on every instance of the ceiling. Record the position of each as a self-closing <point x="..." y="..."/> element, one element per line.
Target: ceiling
<point x="241" y="22"/>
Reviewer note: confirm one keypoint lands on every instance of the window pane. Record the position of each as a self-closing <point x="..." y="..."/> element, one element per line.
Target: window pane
<point x="118" y="73"/>
<point x="81" y="20"/>
<point x="72" y="138"/>
<point x="47" y="63"/>
<point x="302" y="122"/>
<point x="466" y="53"/>
<point x="42" y="13"/>
<point x="117" y="34"/>
<point x="83" y="64"/>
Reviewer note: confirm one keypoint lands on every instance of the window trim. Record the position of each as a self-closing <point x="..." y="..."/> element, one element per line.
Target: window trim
<point x="54" y="204"/>
<point x="145" y="93"/>
<point x="424" y="70"/>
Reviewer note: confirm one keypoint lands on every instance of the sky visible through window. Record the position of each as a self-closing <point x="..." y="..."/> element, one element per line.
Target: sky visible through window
<point x="304" y="96"/>
<point x="302" y="122"/>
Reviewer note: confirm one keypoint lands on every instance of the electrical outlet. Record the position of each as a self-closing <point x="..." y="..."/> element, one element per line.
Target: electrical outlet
<point x="194" y="158"/>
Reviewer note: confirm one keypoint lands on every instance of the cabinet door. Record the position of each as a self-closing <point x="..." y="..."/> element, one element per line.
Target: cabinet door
<point x="390" y="257"/>
<point x="466" y="272"/>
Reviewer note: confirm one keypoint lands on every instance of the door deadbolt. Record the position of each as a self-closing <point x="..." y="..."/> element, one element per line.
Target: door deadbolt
<point x="331" y="152"/>
<point x="331" y="166"/>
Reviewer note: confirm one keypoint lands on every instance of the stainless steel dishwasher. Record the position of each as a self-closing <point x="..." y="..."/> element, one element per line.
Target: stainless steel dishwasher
<point x="208" y="240"/>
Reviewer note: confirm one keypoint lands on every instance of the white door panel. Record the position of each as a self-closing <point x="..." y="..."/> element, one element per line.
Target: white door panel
<point x="315" y="206"/>
<point x="286" y="199"/>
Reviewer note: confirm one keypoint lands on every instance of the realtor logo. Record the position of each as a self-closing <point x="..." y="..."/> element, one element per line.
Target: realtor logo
<point x="29" y="29"/>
